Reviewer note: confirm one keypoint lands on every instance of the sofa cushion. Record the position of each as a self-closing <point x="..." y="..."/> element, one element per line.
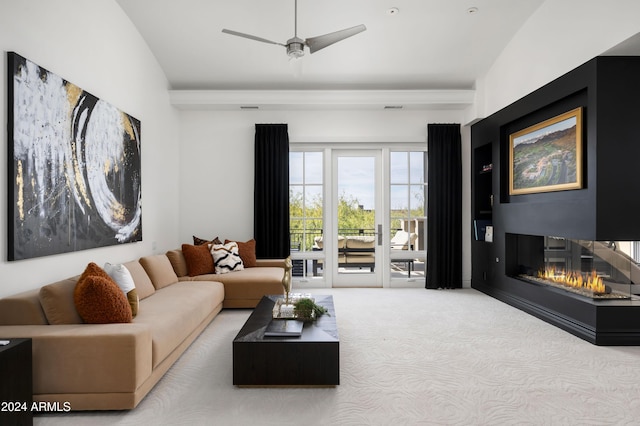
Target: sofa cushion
<point x="198" y="258"/>
<point x="144" y="286"/>
<point x="57" y="302"/>
<point x="247" y="252"/>
<point x="252" y="283"/>
<point x="121" y="275"/>
<point x="319" y="242"/>
<point x="226" y="258"/>
<point x="360" y="258"/>
<point x="22" y="309"/>
<point x="169" y="326"/>
<point x="361" y="242"/>
<point x="178" y="262"/>
<point x="276" y="263"/>
<point x="75" y="361"/>
<point x="159" y="270"/>
<point x="99" y="300"/>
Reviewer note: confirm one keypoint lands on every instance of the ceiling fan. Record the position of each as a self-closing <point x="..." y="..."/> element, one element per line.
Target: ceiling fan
<point x="295" y="46"/>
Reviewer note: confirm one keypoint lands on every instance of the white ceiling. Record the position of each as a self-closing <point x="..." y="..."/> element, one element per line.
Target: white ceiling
<point x="429" y="44"/>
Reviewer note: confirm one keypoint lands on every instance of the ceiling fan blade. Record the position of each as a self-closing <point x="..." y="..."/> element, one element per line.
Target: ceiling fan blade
<point x="249" y="36"/>
<point x="320" y="42"/>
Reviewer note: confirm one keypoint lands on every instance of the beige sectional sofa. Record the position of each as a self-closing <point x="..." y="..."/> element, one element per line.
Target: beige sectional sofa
<point x="240" y="289"/>
<point x="113" y="366"/>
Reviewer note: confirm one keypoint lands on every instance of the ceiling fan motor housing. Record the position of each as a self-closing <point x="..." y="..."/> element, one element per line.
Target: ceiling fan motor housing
<point x="295" y="47"/>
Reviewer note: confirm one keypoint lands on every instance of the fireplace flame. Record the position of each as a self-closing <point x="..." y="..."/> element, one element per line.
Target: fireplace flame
<point x="575" y="279"/>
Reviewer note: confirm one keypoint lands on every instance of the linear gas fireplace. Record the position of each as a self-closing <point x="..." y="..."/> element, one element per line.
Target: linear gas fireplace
<point x="589" y="288"/>
<point x="595" y="270"/>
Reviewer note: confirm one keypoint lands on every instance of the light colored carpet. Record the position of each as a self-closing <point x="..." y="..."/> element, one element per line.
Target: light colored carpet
<point x="407" y="357"/>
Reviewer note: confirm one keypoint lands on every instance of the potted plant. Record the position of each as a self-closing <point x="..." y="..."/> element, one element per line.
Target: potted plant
<point x="307" y="310"/>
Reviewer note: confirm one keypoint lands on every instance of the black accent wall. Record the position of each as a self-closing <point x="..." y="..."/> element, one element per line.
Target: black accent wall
<point x="606" y="208"/>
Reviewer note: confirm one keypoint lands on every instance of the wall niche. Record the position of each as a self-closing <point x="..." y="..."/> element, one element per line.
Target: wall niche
<point x="607" y="88"/>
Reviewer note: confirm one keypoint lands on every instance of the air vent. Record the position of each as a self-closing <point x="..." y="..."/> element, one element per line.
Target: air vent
<point x="249" y="107"/>
<point x="393" y="107"/>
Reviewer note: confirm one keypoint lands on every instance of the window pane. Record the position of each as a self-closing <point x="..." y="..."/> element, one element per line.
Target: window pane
<point x="295" y="201"/>
<point x="399" y="173"/>
<point x="313" y="168"/>
<point x="356" y="188"/>
<point x="313" y="200"/>
<point x="313" y="215"/>
<point x="305" y="204"/>
<point x="417" y="200"/>
<point x="407" y="268"/>
<point x="313" y="238"/>
<point x="296" y="234"/>
<point x="399" y="199"/>
<point x="295" y="167"/>
<point x="408" y="193"/>
<point x="417" y="167"/>
<point x="399" y="207"/>
<point x="310" y="268"/>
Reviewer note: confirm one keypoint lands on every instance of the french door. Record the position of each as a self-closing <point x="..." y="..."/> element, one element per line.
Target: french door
<point x="357" y="218"/>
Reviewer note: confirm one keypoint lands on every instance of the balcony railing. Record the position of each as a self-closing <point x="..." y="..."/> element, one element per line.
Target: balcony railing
<point x="305" y="240"/>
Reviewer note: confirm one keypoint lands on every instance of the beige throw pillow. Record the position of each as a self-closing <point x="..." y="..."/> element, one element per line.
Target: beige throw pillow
<point x="121" y="275"/>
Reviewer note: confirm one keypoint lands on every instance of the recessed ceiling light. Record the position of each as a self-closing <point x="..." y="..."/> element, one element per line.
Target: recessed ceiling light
<point x="393" y="11"/>
<point x="472" y="10"/>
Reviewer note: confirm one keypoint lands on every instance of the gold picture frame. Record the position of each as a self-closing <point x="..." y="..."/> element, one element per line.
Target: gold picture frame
<point x="547" y="156"/>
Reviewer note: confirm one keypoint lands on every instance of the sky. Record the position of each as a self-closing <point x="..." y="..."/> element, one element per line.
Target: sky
<point x="356" y="176"/>
<point x="564" y="124"/>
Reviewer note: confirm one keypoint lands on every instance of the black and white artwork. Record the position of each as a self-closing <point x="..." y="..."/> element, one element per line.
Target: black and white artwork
<point x="74" y="167"/>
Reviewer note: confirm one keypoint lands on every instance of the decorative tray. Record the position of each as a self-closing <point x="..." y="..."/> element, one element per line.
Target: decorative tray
<point x="283" y="310"/>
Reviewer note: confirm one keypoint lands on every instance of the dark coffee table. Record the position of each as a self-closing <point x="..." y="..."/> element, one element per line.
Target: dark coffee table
<point x="310" y="360"/>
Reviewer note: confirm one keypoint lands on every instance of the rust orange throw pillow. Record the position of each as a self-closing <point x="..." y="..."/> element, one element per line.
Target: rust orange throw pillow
<point x="95" y="270"/>
<point x="247" y="252"/>
<point x="98" y="298"/>
<point x="199" y="259"/>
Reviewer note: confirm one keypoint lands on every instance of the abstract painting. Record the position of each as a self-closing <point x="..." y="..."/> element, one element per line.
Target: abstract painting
<point x="74" y="167"/>
<point x="547" y="156"/>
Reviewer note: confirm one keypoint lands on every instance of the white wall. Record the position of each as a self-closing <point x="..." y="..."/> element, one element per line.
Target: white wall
<point x="560" y="36"/>
<point x="94" y="45"/>
<point x="216" y="151"/>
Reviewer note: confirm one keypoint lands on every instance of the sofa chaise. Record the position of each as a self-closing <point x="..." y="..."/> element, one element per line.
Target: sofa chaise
<point x="113" y="366"/>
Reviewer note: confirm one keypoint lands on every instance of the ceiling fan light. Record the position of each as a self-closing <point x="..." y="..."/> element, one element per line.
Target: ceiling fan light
<point x="295" y="50"/>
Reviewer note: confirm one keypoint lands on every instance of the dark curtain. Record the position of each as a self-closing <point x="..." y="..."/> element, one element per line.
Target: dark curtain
<point x="444" y="207"/>
<point x="271" y="191"/>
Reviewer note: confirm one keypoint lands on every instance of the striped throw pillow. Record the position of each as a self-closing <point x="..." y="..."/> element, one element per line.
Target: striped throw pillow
<point x="226" y="258"/>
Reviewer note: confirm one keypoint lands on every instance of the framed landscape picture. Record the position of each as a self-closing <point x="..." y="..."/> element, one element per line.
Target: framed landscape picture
<point x="547" y="156"/>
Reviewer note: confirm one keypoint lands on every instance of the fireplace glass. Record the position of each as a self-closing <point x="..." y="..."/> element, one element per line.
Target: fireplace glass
<point x="599" y="270"/>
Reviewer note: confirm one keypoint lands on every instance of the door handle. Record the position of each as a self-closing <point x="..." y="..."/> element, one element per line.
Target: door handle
<point x="379" y="234"/>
